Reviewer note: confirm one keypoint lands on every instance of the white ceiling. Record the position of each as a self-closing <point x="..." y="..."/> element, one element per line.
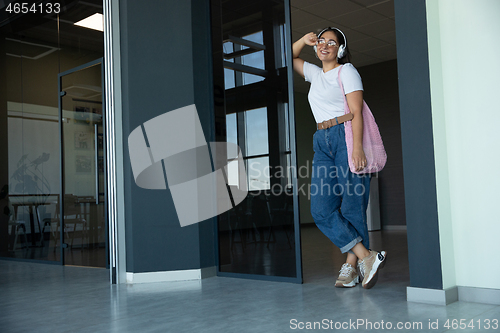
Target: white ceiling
<point x="368" y="25"/>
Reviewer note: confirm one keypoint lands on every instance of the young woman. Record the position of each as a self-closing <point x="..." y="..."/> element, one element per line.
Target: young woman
<point x="339" y="197"/>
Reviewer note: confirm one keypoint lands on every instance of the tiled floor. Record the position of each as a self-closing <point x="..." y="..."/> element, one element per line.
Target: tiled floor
<point x="48" y="298"/>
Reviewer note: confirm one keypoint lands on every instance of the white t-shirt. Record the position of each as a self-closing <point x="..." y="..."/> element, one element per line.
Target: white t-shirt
<point x="325" y="96"/>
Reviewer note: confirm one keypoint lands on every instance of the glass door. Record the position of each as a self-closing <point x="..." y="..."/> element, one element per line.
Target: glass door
<point x="34" y="49"/>
<point x="83" y="211"/>
<point x="259" y="238"/>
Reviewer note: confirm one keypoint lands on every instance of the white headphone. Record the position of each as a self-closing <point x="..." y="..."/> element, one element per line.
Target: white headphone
<point x="341" y="51"/>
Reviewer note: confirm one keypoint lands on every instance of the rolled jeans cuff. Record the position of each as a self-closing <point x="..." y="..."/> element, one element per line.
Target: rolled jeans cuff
<point x="350" y="245"/>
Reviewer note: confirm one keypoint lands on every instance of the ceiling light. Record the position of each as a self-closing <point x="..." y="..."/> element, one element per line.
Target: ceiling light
<point x="92" y="22"/>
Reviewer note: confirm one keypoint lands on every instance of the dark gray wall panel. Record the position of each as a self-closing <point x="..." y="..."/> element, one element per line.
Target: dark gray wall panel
<point x="158" y="76"/>
<point x="4" y="154"/>
<point x="203" y="97"/>
<point x="380" y="82"/>
<point x="417" y="142"/>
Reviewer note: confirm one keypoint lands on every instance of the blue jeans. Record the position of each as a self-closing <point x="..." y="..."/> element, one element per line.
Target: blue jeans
<point x="338" y="197"/>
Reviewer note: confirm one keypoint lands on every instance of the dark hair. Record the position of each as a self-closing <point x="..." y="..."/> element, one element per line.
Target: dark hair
<point x="347" y="55"/>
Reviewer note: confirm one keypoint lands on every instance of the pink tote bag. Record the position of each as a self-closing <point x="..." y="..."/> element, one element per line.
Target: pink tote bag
<point x="373" y="146"/>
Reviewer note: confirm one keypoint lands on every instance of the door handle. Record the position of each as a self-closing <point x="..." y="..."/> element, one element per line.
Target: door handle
<point x="96" y="152"/>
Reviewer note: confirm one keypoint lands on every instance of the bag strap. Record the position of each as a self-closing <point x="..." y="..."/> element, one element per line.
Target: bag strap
<point x="340" y="80"/>
<point x="346" y="109"/>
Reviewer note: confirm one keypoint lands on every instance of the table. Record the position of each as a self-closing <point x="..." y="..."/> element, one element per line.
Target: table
<point x="31" y="201"/>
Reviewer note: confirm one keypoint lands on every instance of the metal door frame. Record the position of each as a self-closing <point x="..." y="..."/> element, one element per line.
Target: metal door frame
<point x="293" y="147"/>
<point x="62" y="245"/>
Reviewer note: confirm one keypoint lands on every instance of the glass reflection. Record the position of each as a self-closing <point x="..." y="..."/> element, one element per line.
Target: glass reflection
<point x="257" y="236"/>
<point x="29" y="154"/>
<point x="33" y="50"/>
<point x="255" y="59"/>
<point x="258" y="173"/>
<point x="256" y="140"/>
<point x="83" y="168"/>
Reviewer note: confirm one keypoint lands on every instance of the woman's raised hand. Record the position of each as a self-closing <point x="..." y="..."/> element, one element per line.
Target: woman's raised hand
<point x="310" y="39"/>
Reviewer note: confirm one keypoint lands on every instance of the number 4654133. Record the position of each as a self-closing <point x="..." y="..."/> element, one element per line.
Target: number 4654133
<point x="41" y="8"/>
<point x="477" y="323"/>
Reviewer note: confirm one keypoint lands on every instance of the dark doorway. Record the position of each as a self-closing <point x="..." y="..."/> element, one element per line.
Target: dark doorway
<point x="259" y="238"/>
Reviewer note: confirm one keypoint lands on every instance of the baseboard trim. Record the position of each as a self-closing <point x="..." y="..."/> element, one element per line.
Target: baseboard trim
<point x="432" y="296"/>
<point x="394" y="227"/>
<point x="172" y="276"/>
<point x="479" y="295"/>
<point x="208" y="272"/>
<point x="448" y="296"/>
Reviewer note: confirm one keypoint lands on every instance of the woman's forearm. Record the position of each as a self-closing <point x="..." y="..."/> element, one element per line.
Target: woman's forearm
<point x="308" y="39"/>
<point x="298" y="63"/>
<point x="297" y="47"/>
<point x="355" y="103"/>
<point x="357" y="130"/>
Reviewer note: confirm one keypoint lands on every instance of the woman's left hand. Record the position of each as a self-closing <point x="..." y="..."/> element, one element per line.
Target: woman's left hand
<point x="359" y="159"/>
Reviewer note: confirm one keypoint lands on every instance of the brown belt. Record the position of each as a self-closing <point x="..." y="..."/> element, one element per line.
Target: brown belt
<point x="335" y="121"/>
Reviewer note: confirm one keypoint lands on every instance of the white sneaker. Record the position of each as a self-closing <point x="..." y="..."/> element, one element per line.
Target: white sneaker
<point x="348" y="277"/>
<point x="369" y="266"/>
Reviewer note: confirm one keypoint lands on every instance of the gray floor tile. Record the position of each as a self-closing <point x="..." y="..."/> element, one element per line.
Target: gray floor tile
<point x="49" y="298"/>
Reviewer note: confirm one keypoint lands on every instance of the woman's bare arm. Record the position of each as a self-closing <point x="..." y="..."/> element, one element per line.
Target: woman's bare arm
<point x="355" y="102"/>
<point x="307" y="39"/>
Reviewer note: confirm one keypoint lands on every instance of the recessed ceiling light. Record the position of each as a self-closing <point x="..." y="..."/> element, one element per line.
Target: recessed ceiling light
<point x="92" y="22"/>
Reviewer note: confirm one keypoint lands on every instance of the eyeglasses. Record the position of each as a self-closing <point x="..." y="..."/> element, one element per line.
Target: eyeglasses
<point x="331" y="42"/>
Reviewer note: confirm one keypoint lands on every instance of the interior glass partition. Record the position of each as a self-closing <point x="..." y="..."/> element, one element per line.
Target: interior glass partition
<point x="259" y="238"/>
<point x="36" y="46"/>
<point x="83" y="212"/>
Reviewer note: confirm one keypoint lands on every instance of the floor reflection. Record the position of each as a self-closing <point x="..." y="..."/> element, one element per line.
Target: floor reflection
<point x="94" y="256"/>
<point x="261" y="251"/>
